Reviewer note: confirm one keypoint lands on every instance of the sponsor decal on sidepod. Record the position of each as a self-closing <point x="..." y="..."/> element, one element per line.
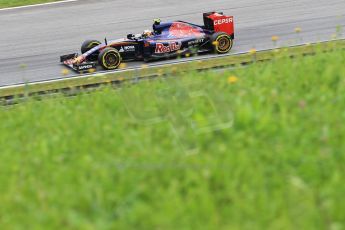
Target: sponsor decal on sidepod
<point x="129" y="48"/>
<point x="161" y="48"/>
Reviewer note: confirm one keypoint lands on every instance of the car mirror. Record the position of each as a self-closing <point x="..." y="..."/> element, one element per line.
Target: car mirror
<point x="130" y="36"/>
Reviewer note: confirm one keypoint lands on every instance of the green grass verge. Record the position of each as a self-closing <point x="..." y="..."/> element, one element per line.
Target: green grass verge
<point x="11" y="3"/>
<point x="260" y="147"/>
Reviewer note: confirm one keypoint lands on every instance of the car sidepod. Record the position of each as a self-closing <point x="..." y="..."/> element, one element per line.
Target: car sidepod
<point x="174" y="39"/>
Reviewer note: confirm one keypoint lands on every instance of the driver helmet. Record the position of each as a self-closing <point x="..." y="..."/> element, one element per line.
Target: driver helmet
<point x="156" y="21"/>
<point x="147" y="33"/>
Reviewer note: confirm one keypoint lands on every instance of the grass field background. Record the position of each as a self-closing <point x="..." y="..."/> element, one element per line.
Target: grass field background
<point x="13" y="3"/>
<point x="260" y="147"/>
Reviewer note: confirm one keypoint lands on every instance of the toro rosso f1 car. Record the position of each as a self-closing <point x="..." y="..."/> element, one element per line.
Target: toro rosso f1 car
<point x="167" y="40"/>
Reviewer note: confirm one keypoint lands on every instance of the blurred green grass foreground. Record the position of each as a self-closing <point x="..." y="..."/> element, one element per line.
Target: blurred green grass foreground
<point x="14" y="3"/>
<point x="259" y="147"/>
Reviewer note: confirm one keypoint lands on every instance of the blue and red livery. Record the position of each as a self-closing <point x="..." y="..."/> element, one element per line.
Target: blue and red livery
<point x="169" y="39"/>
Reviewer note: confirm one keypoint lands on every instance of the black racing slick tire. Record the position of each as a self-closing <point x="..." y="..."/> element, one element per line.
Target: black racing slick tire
<point x="109" y="58"/>
<point x="221" y="43"/>
<point x="87" y="45"/>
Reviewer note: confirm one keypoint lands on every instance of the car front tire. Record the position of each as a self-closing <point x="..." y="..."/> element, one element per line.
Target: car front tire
<point x="88" y="45"/>
<point x="109" y="58"/>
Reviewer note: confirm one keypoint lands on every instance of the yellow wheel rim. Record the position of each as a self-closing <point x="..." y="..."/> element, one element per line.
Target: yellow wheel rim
<point x="111" y="60"/>
<point x="224" y="44"/>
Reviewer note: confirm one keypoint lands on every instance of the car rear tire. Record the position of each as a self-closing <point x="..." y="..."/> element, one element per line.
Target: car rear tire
<point x="109" y="58"/>
<point x="221" y="43"/>
<point x="88" y="45"/>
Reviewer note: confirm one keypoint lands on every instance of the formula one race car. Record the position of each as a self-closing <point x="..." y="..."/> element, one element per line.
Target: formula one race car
<point x="170" y="39"/>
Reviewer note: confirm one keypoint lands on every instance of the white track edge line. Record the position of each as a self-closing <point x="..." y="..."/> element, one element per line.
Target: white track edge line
<point x="35" y="5"/>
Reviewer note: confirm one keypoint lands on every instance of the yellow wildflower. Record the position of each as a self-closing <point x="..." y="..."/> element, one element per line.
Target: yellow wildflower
<point x="64" y="72"/>
<point x="232" y="79"/>
<point x="123" y="66"/>
<point x="252" y="51"/>
<point x="160" y="72"/>
<point x="92" y="70"/>
<point x="298" y="29"/>
<point x="275" y="38"/>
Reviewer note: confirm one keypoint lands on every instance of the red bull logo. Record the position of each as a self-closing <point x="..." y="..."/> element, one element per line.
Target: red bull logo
<point x="171" y="47"/>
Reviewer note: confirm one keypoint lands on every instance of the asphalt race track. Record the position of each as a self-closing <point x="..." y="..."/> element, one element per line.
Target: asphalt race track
<point x="32" y="39"/>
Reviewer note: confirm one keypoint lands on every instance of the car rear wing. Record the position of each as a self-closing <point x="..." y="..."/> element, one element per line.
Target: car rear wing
<point x="218" y="22"/>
